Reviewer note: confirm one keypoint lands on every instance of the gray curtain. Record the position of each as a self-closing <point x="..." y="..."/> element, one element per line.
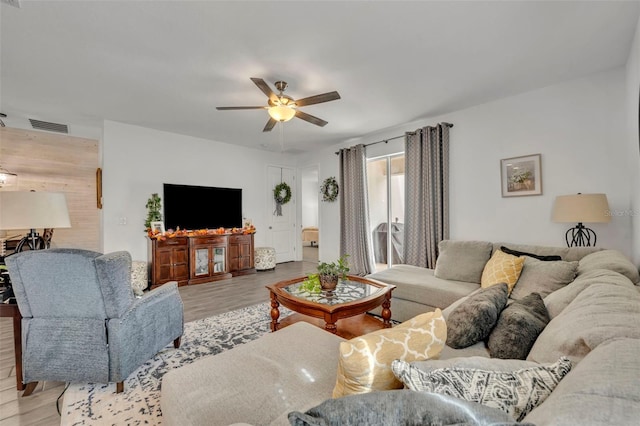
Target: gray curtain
<point x="355" y="239"/>
<point x="426" y="194"/>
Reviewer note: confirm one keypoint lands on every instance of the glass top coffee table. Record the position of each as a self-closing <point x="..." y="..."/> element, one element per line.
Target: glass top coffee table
<point x="353" y="296"/>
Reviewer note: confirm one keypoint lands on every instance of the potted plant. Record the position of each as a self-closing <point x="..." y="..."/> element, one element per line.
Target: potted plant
<point x="330" y="273"/>
<point x="153" y="211"/>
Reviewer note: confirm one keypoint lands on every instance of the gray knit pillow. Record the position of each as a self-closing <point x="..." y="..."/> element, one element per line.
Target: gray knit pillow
<point x="518" y="327"/>
<point x="473" y="320"/>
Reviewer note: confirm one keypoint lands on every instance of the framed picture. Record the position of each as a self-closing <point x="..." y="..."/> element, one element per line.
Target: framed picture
<point x="247" y="222"/>
<point x="521" y="176"/>
<point x="157" y="227"/>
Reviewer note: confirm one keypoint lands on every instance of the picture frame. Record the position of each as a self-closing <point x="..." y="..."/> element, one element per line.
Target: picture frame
<point x="521" y="176"/>
<point x="157" y="227"/>
<point x="247" y="223"/>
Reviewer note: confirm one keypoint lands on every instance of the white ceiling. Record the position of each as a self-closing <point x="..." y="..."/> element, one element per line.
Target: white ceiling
<point x="167" y="64"/>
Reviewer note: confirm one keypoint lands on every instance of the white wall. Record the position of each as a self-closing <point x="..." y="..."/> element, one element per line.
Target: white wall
<point x="633" y="89"/>
<point x="578" y="126"/>
<point x="138" y="160"/>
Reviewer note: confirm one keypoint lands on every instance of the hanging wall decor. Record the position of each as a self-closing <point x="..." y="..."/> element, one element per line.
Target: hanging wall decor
<point x="329" y="189"/>
<point x="282" y="195"/>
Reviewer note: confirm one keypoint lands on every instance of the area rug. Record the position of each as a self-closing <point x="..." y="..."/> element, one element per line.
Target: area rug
<point x="139" y="404"/>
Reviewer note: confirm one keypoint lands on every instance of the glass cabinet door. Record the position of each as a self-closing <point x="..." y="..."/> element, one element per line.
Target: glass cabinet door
<point x="219" y="259"/>
<point x="202" y="261"/>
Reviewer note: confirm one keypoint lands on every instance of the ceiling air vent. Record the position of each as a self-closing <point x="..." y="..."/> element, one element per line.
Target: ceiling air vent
<point x="51" y="127"/>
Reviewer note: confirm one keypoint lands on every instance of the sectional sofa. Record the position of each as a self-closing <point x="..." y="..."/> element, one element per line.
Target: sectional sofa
<point x="593" y="303"/>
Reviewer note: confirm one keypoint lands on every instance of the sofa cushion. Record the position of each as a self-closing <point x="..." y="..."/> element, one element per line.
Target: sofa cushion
<point x="516" y="392"/>
<point x="560" y="299"/>
<point x="518" y="327"/>
<point x="533" y="255"/>
<point x="610" y="259"/>
<point x="602" y="389"/>
<point x="364" y="363"/>
<point x="421" y="285"/>
<point x="600" y="312"/>
<point x="502" y="268"/>
<point x="462" y="260"/>
<point x="399" y="407"/>
<point x="543" y="277"/>
<point x="473" y="319"/>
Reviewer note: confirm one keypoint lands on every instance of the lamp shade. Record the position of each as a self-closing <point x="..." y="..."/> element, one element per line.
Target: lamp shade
<point x="281" y="112"/>
<point x="31" y="210"/>
<point x="581" y="208"/>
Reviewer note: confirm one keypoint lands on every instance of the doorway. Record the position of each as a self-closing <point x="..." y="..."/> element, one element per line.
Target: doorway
<point x="309" y="230"/>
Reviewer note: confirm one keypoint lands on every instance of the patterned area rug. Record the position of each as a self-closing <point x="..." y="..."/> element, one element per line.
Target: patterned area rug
<point x="139" y="404"/>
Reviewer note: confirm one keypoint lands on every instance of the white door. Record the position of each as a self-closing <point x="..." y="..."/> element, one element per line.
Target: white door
<point x="281" y="234"/>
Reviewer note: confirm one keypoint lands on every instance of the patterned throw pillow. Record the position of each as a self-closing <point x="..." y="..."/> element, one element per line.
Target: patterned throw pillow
<point x="364" y="363"/>
<point x="502" y="268"/>
<point x="516" y="393"/>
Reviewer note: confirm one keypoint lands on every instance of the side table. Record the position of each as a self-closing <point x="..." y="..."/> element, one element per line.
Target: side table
<point x="10" y="310"/>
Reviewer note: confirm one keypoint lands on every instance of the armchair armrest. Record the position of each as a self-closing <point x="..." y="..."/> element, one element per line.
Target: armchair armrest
<point x="149" y="324"/>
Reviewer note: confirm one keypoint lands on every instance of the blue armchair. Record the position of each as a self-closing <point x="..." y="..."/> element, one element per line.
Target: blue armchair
<point x="81" y="320"/>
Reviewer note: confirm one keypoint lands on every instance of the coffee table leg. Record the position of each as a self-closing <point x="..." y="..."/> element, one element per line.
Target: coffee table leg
<point x="386" y="311"/>
<point x="330" y="326"/>
<point x="275" y="312"/>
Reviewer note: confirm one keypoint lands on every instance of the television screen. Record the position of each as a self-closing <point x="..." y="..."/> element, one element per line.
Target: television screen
<point x="199" y="207"/>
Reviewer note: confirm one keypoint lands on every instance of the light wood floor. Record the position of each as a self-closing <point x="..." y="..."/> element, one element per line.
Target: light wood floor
<point x="200" y="301"/>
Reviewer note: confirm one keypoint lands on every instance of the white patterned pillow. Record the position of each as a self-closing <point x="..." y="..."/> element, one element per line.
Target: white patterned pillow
<point x="516" y="393"/>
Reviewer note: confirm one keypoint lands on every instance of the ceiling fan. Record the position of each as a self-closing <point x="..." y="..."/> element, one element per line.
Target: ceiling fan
<point x="283" y="108"/>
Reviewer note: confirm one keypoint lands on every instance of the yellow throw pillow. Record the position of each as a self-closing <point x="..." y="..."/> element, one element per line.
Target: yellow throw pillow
<point x="364" y="363"/>
<point x="502" y="268"/>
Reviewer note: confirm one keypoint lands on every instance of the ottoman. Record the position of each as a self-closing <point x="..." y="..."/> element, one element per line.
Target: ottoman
<point x="257" y="383"/>
<point x="265" y="258"/>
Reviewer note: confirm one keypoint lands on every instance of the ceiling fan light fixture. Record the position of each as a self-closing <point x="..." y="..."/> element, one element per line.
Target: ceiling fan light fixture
<point x="281" y="112"/>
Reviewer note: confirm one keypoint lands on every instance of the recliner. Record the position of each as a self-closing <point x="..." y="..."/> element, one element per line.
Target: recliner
<point x="81" y="321"/>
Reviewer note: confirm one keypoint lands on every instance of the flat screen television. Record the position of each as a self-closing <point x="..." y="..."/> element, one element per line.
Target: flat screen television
<point x="199" y="207"/>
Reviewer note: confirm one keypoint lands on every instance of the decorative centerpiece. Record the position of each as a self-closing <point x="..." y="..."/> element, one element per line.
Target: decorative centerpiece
<point x="330" y="273"/>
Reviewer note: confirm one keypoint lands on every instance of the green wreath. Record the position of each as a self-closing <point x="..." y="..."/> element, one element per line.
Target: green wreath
<point x="277" y="193"/>
<point x="329" y="189"/>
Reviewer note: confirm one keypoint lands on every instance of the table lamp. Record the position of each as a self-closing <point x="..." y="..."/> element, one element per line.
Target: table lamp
<point x="581" y="208"/>
<point x="31" y="210"/>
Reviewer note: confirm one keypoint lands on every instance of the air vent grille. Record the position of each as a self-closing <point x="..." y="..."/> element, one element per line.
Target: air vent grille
<point x="52" y="127"/>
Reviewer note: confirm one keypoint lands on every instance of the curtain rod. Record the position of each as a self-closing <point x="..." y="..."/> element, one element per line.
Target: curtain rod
<point x="394" y="138"/>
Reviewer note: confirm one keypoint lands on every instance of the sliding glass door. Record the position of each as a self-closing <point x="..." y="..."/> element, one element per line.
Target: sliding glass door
<point x="386" y="208"/>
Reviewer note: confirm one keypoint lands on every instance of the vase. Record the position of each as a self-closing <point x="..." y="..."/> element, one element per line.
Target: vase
<point x="328" y="282"/>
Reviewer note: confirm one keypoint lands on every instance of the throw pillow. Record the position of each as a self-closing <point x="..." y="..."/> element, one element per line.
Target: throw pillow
<point x="543" y="277"/>
<point x="516" y="393"/>
<point x="535" y="256"/>
<point x="364" y="363"/>
<point x="502" y="268"/>
<point x="518" y="327"/>
<point x="462" y="260"/>
<point x="473" y="320"/>
<point x="399" y="407"/>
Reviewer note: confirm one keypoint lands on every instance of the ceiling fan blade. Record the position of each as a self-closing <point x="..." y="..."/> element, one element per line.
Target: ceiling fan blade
<point x="240" y="107"/>
<point x="310" y="118"/>
<point x="269" y="125"/>
<point x="317" y="99"/>
<point x="262" y="85"/>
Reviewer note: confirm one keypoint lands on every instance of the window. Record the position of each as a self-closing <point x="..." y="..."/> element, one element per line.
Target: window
<point x="385" y="177"/>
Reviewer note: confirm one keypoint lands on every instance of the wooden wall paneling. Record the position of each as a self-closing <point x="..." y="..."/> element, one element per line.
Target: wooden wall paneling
<point x="46" y="161"/>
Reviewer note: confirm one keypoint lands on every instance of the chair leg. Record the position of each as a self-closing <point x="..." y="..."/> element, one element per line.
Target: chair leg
<point x="120" y="387"/>
<point x="28" y="390"/>
<point x="176" y="343"/>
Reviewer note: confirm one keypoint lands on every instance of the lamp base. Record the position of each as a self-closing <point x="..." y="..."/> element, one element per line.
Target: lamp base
<point x="580" y="236"/>
<point x="32" y="241"/>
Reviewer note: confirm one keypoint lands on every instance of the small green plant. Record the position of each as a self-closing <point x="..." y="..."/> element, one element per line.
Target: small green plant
<point x="311" y="284"/>
<point x="153" y="211"/>
<point x="335" y="269"/>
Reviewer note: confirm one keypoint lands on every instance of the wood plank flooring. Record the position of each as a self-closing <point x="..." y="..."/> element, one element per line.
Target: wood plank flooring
<point x="200" y="301"/>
